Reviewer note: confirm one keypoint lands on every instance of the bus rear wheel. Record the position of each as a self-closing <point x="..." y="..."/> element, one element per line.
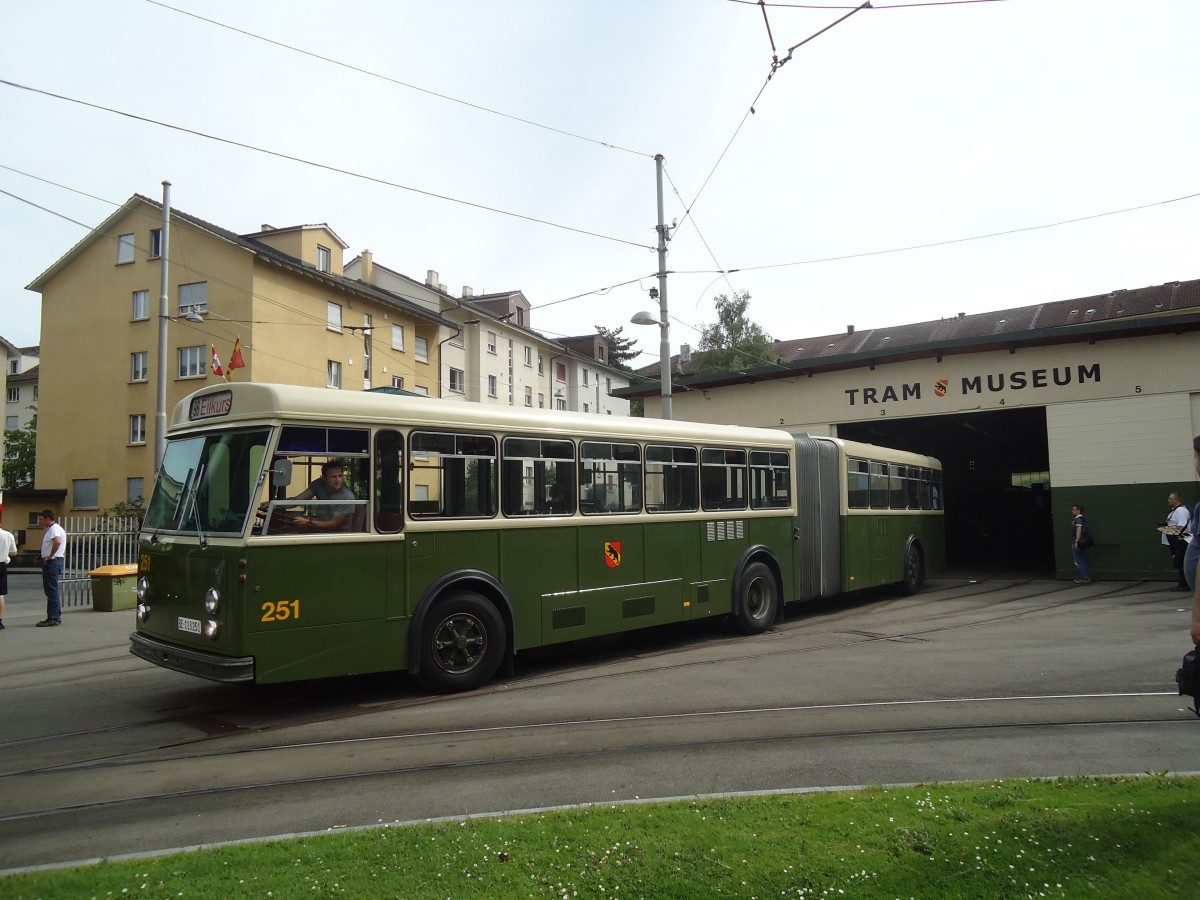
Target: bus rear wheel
<point x="914" y="571"/>
<point x="462" y="644"/>
<point x="758" y="598"/>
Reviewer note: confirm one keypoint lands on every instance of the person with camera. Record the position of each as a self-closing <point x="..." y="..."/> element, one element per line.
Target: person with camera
<point x="1173" y="530"/>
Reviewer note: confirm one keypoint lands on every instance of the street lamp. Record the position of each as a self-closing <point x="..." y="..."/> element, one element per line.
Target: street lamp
<point x="664" y="345"/>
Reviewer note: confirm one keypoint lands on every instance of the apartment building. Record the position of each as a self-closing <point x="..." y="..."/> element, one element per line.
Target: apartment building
<point x="280" y="294"/>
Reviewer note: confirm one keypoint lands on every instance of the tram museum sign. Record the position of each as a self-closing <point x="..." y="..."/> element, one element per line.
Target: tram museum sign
<point x="978" y="384"/>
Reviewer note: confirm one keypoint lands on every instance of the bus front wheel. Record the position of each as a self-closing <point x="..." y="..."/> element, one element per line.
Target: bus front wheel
<point x="758" y="598"/>
<point x="462" y="644"/>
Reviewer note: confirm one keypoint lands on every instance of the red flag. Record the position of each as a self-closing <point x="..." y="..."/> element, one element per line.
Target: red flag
<point x="216" y="363"/>
<point x="235" y="360"/>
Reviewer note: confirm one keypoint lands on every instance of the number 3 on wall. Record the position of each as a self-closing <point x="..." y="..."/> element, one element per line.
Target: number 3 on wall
<point x="280" y="610"/>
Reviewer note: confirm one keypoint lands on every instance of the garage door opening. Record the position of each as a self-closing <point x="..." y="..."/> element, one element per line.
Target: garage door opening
<point x="997" y="483"/>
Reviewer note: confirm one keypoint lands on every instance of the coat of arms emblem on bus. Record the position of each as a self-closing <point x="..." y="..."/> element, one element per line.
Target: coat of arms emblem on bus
<point x="612" y="554"/>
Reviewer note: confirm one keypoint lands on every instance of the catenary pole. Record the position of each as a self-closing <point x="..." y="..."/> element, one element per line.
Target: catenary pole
<point x="160" y="411"/>
<point x="664" y="326"/>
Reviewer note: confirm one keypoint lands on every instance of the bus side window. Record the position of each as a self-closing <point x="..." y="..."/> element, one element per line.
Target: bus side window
<point x="389" y="481"/>
<point x="722" y="478"/>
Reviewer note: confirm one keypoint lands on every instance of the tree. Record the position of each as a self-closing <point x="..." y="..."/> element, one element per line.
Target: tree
<point x="734" y="343"/>
<point x="20" y="452"/>
<point x="620" y="348"/>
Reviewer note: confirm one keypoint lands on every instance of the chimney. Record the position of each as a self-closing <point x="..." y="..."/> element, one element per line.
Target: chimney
<point x="441" y="287"/>
<point x="431" y="278"/>
<point x="849" y="329"/>
<point x="468" y="291"/>
<point x="368" y="266"/>
<point x="267" y="227"/>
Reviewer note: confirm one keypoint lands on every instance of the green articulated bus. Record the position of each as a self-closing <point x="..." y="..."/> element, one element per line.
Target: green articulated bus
<point x="298" y="533"/>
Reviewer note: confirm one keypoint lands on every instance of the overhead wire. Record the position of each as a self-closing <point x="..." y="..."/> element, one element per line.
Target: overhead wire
<point x="345" y="65"/>
<point x="963" y="240"/>
<point x="324" y="166"/>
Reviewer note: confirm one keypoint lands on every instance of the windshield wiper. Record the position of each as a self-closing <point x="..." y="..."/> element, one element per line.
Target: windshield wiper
<point x="191" y="504"/>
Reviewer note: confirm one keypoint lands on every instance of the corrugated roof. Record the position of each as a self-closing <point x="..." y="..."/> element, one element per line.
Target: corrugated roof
<point x="1040" y="322"/>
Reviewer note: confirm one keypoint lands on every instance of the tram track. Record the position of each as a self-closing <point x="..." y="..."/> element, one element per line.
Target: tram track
<point x="219" y="723"/>
<point x="671" y="740"/>
<point x="861" y="693"/>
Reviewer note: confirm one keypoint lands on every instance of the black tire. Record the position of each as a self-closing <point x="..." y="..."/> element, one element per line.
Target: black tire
<point x="757" y="599"/>
<point x="462" y="644"/>
<point x="914" y="570"/>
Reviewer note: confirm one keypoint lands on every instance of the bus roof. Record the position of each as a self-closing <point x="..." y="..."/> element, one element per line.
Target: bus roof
<point x="242" y="403"/>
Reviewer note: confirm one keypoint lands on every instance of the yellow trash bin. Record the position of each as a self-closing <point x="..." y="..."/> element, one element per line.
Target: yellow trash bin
<point x="114" y="587"/>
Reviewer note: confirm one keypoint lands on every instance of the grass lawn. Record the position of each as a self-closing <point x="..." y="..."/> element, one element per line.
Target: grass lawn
<point x="1079" y="837"/>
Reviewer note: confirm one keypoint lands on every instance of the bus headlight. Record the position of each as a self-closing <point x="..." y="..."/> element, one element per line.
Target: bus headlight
<point x="143" y="588"/>
<point x="210" y="628"/>
<point x="211" y="598"/>
<point x="143" y="612"/>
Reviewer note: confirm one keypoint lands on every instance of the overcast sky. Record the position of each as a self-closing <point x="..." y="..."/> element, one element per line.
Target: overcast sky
<point x="895" y="128"/>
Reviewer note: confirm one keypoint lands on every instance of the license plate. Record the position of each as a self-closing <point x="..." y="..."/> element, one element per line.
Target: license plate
<point x="191" y="626"/>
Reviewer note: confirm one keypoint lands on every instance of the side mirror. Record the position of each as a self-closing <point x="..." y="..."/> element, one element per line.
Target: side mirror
<point x="281" y="474"/>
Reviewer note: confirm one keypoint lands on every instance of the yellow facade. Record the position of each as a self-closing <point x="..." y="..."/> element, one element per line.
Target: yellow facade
<point x="277" y="304"/>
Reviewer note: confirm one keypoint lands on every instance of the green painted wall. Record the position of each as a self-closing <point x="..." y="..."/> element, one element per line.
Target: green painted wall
<point x="1123" y="519"/>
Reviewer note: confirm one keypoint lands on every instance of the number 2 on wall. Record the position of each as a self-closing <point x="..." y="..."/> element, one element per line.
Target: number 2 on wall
<point x="280" y="610"/>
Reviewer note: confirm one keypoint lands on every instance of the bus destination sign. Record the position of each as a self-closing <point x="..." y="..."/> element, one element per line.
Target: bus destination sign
<point x="210" y="406"/>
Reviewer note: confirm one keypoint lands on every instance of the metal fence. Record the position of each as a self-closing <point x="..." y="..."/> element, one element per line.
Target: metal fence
<point x="94" y="541"/>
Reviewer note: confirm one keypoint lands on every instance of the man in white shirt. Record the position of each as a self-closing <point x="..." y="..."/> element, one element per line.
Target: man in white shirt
<point x="1175" y="544"/>
<point x="8" y="549"/>
<point x="54" y="549"/>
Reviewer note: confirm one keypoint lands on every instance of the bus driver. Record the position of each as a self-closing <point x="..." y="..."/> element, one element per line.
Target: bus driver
<point x="330" y="486"/>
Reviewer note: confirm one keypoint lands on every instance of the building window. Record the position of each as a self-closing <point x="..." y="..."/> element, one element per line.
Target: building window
<point x="560" y="403"/>
<point x="333" y="316"/>
<point x="193" y="298"/>
<point x="155" y="243"/>
<point x="192" y="362"/>
<point x="86" y="493"/>
<point x="520" y="316"/>
<point x="529" y="397"/>
<point x="137" y="429"/>
<point x="10" y="423"/>
<point x="139" y="369"/>
<point x="397" y="337"/>
<point x="491" y="385"/>
<point x="541" y="401"/>
<point x="608" y="386"/>
<point x="333" y="374"/>
<point x="586" y="408"/>
<point x="585" y="377"/>
<point x="368" y="330"/>
<point x="560" y="372"/>
<point x="35" y="390"/>
<point x="14" y="367"/>
<point x="422" y="391"/>
<point x="14" y="395"/>
<point x="529" y="356"/>
<point x="458" y="380"/>
<point x="491" y="342"/>
<point x="141" y="304"/>
<point x="398" y="382"/>
<point x="124" y="249"/>
<point x="135" y="490"/>
<point x="541" y="365"/>
<point x="323" y="257"/>
<point x="421" y="349"/>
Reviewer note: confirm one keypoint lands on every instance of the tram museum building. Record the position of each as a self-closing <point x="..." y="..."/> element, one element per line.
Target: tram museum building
<point x="1032" y="410"/>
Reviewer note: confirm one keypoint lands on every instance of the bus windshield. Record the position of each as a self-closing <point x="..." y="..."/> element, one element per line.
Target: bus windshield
<point x="207" y="484"/>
